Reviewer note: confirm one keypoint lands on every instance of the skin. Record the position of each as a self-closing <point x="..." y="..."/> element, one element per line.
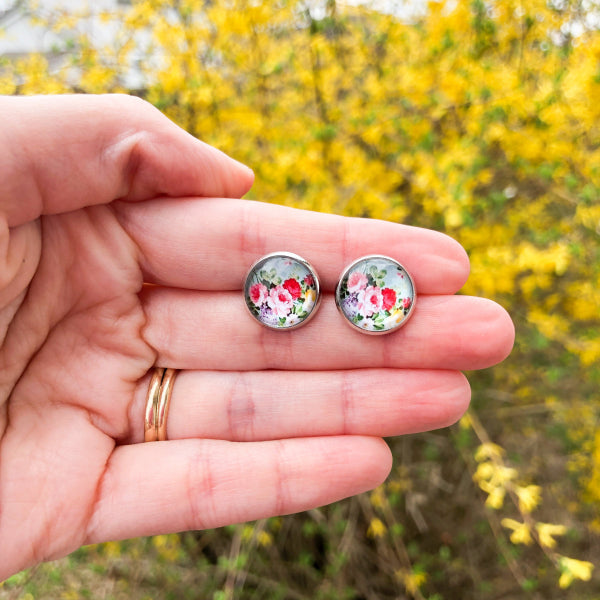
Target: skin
<point x="123" y="245"/>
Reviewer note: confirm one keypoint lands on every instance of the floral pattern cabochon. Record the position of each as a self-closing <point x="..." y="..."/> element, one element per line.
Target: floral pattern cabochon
<point x="376" y="294"/>
<point x="282" y="291"/>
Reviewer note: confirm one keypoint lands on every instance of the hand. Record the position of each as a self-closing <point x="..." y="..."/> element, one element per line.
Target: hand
<point x="100" y="196"/>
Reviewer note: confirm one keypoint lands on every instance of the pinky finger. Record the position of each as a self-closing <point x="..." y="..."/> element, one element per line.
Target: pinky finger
<point x="184" y="485"/>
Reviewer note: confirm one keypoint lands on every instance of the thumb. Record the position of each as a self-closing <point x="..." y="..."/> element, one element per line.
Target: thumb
<point x="60" y="153"/>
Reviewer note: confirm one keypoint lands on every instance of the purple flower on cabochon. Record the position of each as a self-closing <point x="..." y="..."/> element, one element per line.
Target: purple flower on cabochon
<point x="267" y="316"/>
<point x="350" y="305"/>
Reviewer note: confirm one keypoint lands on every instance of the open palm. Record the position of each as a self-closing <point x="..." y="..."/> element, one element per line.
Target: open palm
<point x="123" y="247"/>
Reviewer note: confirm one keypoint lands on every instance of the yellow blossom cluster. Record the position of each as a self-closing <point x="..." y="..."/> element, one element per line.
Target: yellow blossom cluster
<point x="498" y="481"/>
<point x="411" y="580"/>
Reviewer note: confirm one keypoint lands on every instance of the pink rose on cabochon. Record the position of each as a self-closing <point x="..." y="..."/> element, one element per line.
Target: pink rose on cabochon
<point x="258" y="293"/>
<point x="293" y="287"/>
<point x="280" y="301"/>
<point x="406" y="303"/>
<point x="370" y="301"/>
<point x="357" y="281"/>
<point x="389" y="298"/>
<point x="309" y="280"/>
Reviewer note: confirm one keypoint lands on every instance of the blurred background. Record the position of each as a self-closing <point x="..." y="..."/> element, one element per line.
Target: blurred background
<point x="478" y="119"/>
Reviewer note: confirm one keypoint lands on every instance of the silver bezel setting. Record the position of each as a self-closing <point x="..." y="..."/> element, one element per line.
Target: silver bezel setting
<point x="306" y="265"/>
<point x="345" y="274"/>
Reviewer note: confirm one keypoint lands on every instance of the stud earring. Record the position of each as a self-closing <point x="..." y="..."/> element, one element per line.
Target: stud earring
<point x="376" y="295"/>
<point x="282" y="291"/>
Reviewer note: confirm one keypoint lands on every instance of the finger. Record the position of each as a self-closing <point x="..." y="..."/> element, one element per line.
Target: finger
<point x="59" y="153"/>
<point x="183" y="485"/>
<point x="211" y="243"/>
<point x="210" y="330"/>
<point x="268" y="405"/>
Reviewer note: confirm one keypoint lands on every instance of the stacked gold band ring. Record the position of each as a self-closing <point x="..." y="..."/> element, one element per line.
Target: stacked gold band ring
<point x="157" y="404"/>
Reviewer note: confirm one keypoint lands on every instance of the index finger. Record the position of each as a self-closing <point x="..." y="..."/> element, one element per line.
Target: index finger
<point x="209" y="243"/>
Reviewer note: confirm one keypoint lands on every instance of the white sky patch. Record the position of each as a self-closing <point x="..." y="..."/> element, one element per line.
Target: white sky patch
<point x="21" y="37"/>
<point x="404" y="9"/>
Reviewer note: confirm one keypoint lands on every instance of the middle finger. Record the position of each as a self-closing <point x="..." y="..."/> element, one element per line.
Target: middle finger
<point x="213" y="331"/>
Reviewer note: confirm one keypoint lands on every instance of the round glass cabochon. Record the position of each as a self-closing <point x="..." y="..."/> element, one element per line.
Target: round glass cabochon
<point x="282" y="291"/>
<point x="376" y="294"/>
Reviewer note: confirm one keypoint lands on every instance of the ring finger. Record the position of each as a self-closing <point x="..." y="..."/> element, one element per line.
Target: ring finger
<point x="267" y="405"/>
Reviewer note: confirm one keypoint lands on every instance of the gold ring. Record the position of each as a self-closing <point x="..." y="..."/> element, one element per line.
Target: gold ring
<point x="164" y="398"/>
<point x="157" y="404"/>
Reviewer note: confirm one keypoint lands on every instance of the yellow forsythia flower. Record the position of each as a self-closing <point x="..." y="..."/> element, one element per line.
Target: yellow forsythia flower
<point x="376" y="528"/>
<point x="529" y="497"/>
<point x="503" y="474"/>
<point x="488" y="451"/>
<point x="265" y="538"/>
<point x="378" y="499"/>
<point x="111" y="549"/>
<point x="520" y="531"/>
<point x="546" y="531"/>
<point x="485" y="471"/>
<point x="412" y="581"/>
<point x="496" y="494"/>
<point x="574" y="569"/>
<point x="496" y="498"/>
<point x="465" y="422"/>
